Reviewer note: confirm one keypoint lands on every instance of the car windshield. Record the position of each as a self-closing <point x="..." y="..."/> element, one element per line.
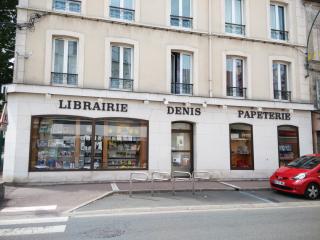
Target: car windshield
<point x="306" y="162"/>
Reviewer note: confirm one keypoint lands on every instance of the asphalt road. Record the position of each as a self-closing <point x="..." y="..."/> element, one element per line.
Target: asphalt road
<point x="262" y="215"/>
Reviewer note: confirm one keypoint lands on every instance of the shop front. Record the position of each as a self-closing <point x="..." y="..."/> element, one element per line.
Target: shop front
<point x="86" y="139"/>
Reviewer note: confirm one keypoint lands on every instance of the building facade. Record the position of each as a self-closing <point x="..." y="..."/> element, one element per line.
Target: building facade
<point x="104" y="88"/>
<point x="313" y="64"/>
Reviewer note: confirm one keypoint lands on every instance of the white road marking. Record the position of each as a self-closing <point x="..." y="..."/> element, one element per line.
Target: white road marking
<point x="33" y="221"/>
<point x="32" y="230"/>
<point x="29" y="209"/>
<point x="256" y="197"/>
<point x="114" y="187"/>
<point x="230" y="185"/>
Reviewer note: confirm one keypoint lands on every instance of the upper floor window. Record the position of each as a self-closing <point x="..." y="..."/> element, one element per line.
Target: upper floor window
<point x="67" y="5"/>
<point x="278" y="22"/>
<point x="181" y="73"/>
<point x="234" y="17"/>
<point x="280" y="81"/>
<point x="65" y="62"/>
<point x="181" y="13"/>
<point x="122" y="9"/>
<point x="235" y="77"/>
<point x="121" y="68"/>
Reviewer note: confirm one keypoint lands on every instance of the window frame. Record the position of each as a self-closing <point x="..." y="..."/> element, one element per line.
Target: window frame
<point x="180" y="15"/>
<point x="233" y="16"/>
<point x="285" y="20"/>
<point x="279" y="63"/>
<point x="66" y="41"/>
<point x="121" y="7"/>
<point x="234" y="75"/>
<point x="93" y="121"/>
<point x="67" y="8"/>
<point x="252" y="147"/>
<point x="121" y="64"/>
<point x="191" y="55"/>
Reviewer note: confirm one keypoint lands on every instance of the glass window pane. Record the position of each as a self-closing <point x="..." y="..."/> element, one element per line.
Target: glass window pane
<point x="241" y="145"/>
<point x="239" y="74"/>
<point x="186" y="8"/>
<point x="127" y="144"/>
<point x="181" y="141"/>
<point x="58" y="56"/>
<point x="238" y="12"/>
<point x="273" y="17"/>
<point x="60" y="143"/>
<point x="186" y="71"/>
<point x="175" y="7"/>
<point x="60" y="4"/>
<point x="229" y="72"/>
<point x="115" y="3"/>
<point x="288" y="144"/>
<point x="115" y="68"/>
<point x="72" y="57"/>
<point x="128" y="4"/>
<point x="228" y="11"/>
<point x="127" y="56"/>
<point x="283" y="71"/>
<point x="281" y="18"/>
<point x="275" y="76"/>
<point x="74" y="6"/>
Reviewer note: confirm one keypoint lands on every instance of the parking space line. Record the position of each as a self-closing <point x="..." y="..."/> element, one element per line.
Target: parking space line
<point x="115" y="187"/>
<point x="256" y="197"/>
<point x="231" y="185"/>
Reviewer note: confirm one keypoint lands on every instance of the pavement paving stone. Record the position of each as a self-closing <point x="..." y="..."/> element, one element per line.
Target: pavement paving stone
<point x="168" y="186"/>
<point x="64" y="196"/>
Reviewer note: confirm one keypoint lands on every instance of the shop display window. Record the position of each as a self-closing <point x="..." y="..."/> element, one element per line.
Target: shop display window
<point x="121" y="144"/>
<point x="241" y="146"/>
<point x="288" y="138"/>
<point x="71" y="143"/>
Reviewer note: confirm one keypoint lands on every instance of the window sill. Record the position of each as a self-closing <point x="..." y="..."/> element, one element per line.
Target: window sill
<point x="67" y="12"/>
<point x="121" y="89"/>
<point x="235" y="97"/>
<point x="235" y="35"/>
<point x="64" y="85"/>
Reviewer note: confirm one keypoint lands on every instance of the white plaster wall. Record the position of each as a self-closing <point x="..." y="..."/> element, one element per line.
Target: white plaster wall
<point x="211" y="138"/>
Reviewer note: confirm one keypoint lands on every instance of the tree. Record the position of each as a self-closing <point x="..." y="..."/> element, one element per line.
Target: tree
<point x="8" y="16"/>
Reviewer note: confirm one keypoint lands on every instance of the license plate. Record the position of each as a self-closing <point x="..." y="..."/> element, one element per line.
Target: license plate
<point x="278" y="182"/>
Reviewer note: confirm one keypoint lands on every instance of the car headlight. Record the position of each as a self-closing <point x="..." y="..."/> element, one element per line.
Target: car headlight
<point x="300" y="176"/>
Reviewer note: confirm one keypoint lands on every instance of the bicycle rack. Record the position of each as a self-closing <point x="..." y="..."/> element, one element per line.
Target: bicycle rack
<point x="175" y="179"/>
<point x="143" y="177"/>
<point x="199" y="175"/>
<point x="158" y="177"/>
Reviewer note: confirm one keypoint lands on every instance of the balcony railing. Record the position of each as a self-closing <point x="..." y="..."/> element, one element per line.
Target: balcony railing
<point x="279" y="34"/>
<point x="64" y="78"/>
<point x="181" y="21"/>
<point x="182" y="88"/>
<point x="237" y="92"/>
<point x="235" y="28"/>
<point x="282" y="95"/>
<point x="121" y="84"/>
<point x="122" y="13"/>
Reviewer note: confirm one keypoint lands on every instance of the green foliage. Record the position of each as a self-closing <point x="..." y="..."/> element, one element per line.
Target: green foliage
<point x="7" y="39"/>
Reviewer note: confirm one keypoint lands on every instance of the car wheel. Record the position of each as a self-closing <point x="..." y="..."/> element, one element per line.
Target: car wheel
<point x="312" y="191"/>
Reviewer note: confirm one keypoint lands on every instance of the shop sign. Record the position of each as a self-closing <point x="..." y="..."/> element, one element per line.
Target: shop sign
<point x="93" y="106"/>
<point x="264" y="115"/>
<point x="189" y="111"/>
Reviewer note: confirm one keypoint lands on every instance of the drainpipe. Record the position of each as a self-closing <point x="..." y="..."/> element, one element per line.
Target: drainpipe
<point x="210" y="49"/>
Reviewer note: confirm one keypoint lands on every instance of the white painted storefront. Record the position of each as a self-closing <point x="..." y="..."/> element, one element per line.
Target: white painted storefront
<point x="211" y="136"/>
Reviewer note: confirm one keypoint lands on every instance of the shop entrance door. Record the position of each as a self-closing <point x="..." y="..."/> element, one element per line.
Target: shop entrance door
<point x="182" y="147"/>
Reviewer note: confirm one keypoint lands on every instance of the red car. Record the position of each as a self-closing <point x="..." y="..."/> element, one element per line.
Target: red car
<point x="301" y="176"/>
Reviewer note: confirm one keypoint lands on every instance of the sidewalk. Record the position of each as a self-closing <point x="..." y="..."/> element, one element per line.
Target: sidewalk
<point x="66" y="198"/>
